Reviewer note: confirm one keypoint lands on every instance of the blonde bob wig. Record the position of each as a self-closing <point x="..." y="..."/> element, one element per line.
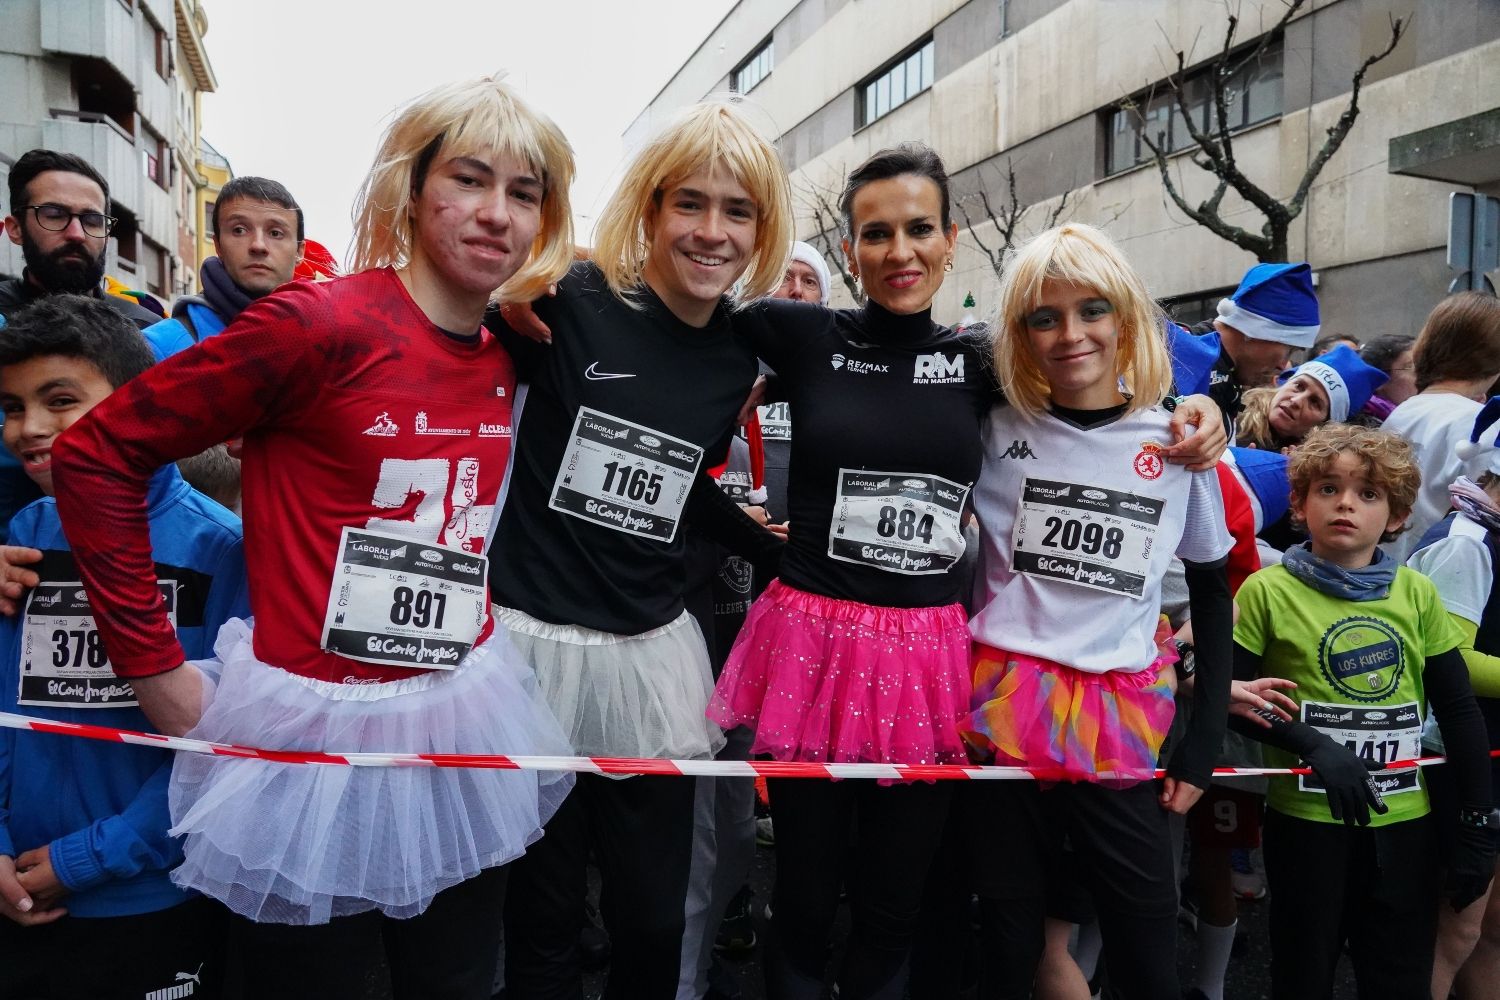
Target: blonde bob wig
<point x="713" y="134"/>
<point x="481" y="118"/>
<point x="1080" y="255"/>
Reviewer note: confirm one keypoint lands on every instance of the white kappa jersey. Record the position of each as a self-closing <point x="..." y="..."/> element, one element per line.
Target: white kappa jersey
<point x="1077" y="528"/>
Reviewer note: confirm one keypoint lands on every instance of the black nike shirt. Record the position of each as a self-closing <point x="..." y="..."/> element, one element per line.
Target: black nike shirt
<point x="624" y="409"/>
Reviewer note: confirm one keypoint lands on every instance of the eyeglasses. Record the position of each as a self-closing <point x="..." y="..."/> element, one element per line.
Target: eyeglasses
<point x="55" y="218"/>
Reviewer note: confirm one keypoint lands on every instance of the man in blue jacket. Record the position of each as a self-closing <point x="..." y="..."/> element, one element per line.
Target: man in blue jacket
<point x="258" y="239"/>
<point x="89" y="907"/>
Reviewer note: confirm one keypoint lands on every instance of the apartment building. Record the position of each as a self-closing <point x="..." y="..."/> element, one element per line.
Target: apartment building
<point x="116" y="82"/>
<point x="1035" y="86"/>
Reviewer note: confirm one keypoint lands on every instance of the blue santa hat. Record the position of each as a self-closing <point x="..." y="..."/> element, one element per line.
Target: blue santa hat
<point x="1481" y="453"/>
<point x="1347" y="379"/>
<point x="1274" y="302"/>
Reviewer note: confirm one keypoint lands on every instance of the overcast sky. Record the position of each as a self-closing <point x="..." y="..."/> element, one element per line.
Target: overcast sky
<point x="306" y="86"/>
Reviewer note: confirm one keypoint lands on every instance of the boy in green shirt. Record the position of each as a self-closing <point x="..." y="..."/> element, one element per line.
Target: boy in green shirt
<point x="1369" y="646"/>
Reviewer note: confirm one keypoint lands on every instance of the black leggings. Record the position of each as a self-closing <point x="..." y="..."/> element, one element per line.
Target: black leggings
<point x="884" y="863"/>
<point x="448" y="952"/>
<point x="640" y="831"/>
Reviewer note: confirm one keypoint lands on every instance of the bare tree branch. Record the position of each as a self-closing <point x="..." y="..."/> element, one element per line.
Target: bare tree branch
<point x="821" y="203"/>
<point x="1213" y="141"/>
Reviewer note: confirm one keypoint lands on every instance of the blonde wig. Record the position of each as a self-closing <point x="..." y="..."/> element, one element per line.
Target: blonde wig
<point x="482" y="118"/>
<point x="707" y="135"/>
<point x="1081" y="255"/>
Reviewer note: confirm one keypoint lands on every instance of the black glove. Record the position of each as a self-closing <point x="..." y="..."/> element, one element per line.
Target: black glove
<point x="1346" y="776"/>
<point x="1471" y="865"/>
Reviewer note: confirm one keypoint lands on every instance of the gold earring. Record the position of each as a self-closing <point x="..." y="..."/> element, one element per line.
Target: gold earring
<point x="948" y="264"/>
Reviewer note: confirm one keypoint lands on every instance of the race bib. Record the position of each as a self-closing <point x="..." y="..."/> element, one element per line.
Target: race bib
<point x="1386" y="733"/>
<point x="404" y="603"/>
<point x="63" y="663"/>
<point x="625" y="476"/>
<point x="1085" y="535"/>
<point x="897" y="521"/>
<point x="775" y="421"/>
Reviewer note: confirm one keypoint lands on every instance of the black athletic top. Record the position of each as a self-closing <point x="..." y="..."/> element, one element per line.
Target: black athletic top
<point x="624" y="411"/>
<point x="892" y="401"/>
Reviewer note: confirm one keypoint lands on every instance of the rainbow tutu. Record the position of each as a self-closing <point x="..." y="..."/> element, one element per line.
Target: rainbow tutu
<point x="1068" y="725"/>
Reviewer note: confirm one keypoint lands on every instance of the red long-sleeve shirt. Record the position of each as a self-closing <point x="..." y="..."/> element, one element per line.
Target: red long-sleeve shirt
<point x="355" y="411"/>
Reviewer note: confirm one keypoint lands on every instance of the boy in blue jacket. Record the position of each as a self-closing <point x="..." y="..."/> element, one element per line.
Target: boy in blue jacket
<point x="84" y="848"/>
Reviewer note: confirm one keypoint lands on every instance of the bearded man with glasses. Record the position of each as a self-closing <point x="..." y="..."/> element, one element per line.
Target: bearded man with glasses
<point x="59" y="215"/>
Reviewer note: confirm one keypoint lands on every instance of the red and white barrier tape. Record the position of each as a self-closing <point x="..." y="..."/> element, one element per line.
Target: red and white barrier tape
<point x="589" y="765"/>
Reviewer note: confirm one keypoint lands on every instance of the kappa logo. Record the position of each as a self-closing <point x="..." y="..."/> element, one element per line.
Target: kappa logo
<point x="423" y="427"/>
<point x="1017" y="449"/>
<point x="592" y="372"/>
<point x="837" y="361"/>
<point x="937" y="369"/>
<point x="383" y="426"/>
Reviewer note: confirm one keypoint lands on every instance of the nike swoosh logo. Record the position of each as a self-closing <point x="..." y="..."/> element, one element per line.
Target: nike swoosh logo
<point x="594" y="373"/>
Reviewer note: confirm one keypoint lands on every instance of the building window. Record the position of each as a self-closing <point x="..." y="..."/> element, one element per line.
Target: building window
<point x="154" y="159"/>
<point x="1253" y="95"/>
<point x="1196" y="307"/>
<point x="896" y="84"/>
<point x="163" y="51"/>
<point x="753" y="70"/>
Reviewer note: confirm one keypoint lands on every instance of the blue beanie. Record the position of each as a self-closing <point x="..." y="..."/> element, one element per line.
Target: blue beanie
<point x="1274" y="302"/>
<point x="1348" y="380"/>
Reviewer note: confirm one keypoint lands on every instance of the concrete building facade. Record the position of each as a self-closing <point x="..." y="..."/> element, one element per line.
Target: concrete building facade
<point x="116" y="82"/>
<point x="1035" y="84"/>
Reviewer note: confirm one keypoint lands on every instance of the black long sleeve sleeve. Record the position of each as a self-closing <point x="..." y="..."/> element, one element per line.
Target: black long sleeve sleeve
<point x="1292" y="736"/>
<point x="1465" y="738"/>
<point x="1212" y="611"/>
<point x="718" y="518"/>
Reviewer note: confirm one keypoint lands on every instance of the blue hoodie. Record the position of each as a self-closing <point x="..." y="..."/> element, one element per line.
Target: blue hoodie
<point x="171" y="335"/>
<point x="103" y="806"/>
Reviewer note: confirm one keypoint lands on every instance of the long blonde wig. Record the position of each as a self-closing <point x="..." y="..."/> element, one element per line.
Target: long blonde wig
<point x="482" y="118"/>
<point x="1081" y="255"/>
<point x="710" y="134"/>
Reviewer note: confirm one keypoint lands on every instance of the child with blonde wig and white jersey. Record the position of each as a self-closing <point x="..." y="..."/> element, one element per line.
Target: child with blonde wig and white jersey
<point x="1079" y="517"/>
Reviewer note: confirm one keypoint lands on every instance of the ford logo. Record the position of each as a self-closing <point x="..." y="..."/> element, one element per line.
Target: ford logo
<point x="80" y="595"/>
<point x="431" y="555"/>
<point x="649" y="441"/>
<point x="914" y="484"/>
<point x="1096" y="494"/>
<point x="1375" y="716"/>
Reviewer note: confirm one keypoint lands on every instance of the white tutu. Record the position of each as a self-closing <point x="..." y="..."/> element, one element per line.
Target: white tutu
<point x="302" y="843"/>
<point x="623" y="695"/>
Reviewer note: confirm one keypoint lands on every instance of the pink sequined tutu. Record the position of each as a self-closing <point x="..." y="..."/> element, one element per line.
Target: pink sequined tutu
<point x="1068" y="725"/>
<point x="820" y="679"/>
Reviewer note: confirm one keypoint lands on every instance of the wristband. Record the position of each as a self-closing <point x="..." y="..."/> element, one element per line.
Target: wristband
<point x="1187" y="663"/>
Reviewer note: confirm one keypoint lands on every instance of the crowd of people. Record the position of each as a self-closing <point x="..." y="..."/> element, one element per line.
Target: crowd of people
<point x="654" y="498"/>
